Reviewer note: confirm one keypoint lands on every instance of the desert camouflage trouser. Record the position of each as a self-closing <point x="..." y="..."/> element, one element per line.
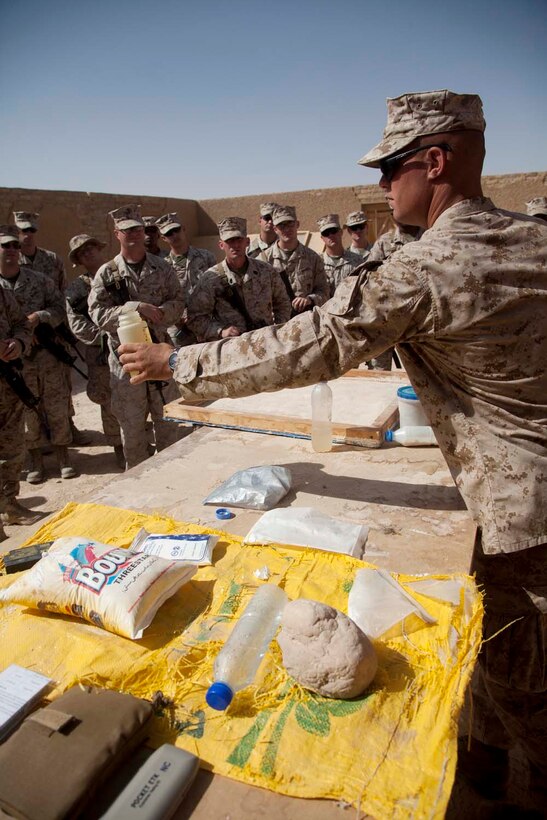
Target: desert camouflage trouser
<point x="510" y="683"/>
<point x="12" y="441"/>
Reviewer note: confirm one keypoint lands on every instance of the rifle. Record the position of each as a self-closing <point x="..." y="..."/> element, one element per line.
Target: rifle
<point x="290" y="291"/>
<point x="10" y="373"/>
<point x="65" y="333"/>
<point x="45" y="336"/>
<point x="234" y="298"/>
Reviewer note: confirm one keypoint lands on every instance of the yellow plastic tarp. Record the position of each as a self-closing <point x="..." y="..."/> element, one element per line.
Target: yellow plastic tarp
<point x="391" y="752"/>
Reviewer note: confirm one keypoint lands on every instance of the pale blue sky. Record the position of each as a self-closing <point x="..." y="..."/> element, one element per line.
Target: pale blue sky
<point x="211" y="99"/>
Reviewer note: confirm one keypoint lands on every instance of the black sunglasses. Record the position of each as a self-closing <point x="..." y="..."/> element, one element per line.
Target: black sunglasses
<point x="330" y="231"/>
<point x="172" y="232"/>
<point x="357" y="227"/>
<point x="14" y="245"/>
<point x="389" y="166"/>
<point x="267" y="217"/>
<point x="29" y="230"/>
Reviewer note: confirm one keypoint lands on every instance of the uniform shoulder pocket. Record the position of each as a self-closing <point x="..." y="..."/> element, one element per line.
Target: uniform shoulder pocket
<point x="346" y="295"/>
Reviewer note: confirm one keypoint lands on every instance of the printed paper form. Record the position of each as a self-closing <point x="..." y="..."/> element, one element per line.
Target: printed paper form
<point x="19" y="689"/>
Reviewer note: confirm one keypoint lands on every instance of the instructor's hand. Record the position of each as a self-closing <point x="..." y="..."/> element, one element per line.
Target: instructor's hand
<point x="146" y="362"/>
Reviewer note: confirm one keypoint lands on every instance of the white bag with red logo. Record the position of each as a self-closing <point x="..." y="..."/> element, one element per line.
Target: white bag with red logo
<point x="108" y="586"/>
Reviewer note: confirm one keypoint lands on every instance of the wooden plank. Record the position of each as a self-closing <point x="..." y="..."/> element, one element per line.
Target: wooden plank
<point x="353" y="397"/>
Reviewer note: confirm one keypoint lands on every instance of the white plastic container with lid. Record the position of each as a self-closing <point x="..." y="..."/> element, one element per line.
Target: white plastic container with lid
<point x="238" y="660"/>
<point x="412" y="436"/>
<point x="411" y="413"/>
<point x="321" y="418"/>
<point x="132" y="329"/>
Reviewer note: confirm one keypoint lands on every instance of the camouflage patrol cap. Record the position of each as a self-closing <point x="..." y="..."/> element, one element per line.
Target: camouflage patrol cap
<point x="423" y="113"/>
<point x="284" y="213"/>
<point x="537" y="205"/>
<point x="149" y="221"/>
<point x="26" y="219"/>
<point x="8" y="233"/>
<point x="167" y="222"/>
<point x="267" y="208"/>
<point x="80" y="241"/>
<point x="328" y="221"/>
<point x="127" y="217"/>
<point x="356" y="218"/>
<point x="231" y="227"/>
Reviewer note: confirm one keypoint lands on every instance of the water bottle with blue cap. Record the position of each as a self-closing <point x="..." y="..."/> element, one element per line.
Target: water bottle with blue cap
<point x="237" y="662"/>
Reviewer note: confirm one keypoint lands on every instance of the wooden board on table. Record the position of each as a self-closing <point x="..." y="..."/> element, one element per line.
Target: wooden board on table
<point x="364" y="407"/>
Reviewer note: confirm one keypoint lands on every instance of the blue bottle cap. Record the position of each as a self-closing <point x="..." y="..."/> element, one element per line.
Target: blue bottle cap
<point x="389" y="435"/>
<point x="219" y="696"/>
<point x="407" y="392"/>
<point x="222" y="512"/>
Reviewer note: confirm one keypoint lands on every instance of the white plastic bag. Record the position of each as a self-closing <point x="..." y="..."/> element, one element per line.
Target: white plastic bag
<point x="307" y="527"/>
<point x="377" y="603"/>
<point x="258" y="488"/>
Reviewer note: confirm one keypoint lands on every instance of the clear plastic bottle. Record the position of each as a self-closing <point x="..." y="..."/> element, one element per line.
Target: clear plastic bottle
<point x="321" y="418"/>
<point x="236" y="663"/>
<point x="133" y="330"/>
<point x="412" y="436"/>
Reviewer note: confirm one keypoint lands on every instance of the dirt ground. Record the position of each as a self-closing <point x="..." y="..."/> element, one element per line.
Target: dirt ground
<point x="95" y="462"/>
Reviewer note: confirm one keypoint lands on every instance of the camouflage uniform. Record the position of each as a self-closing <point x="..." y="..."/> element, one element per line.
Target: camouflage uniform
<point x="189" y="269"/>
<point x="95" y="353"/>
<point x="363" y="253"/>
<point x="156" y="284"/>
<point x="388" y="243"/>
<point x="257" y="246"/>
<point x="49" y="263"/>
<point x="338" y="267"/>
<point x="44" y="374"/>
<point x="466" y="307"/>
<point x="260" y="288"/>
<point x="13" y="324"/>
<point x="304" y="268"/>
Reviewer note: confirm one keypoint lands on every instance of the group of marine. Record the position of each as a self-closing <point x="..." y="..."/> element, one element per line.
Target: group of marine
<point x="43" y="318"/>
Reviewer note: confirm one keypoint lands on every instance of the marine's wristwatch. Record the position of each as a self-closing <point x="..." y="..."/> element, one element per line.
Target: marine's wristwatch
<point x="173" y="360"/>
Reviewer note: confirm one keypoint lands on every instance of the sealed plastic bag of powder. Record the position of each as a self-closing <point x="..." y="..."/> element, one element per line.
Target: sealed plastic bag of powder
<point x="258" y="488"/>
<point x="193" y="548"/>
<point x="110" y="587"/>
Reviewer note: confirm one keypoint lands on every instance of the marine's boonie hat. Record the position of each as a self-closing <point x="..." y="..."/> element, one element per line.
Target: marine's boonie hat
<point x="167" y="222"/>
<point x="283" y="213"/>
<point x="149" y="222"/>
<point x="80" y="241"/>
<point x="537" y="205"/>
<point x="26" y="219"/>
<point x="127" y="217"/>
<point x="328" y="221"/>
<point x="422" y="113"/>
<point x="8" y="233"/>
<point x="267" y="208"/>
<point x="231" y="227"/>
<point x="356" y="218"/>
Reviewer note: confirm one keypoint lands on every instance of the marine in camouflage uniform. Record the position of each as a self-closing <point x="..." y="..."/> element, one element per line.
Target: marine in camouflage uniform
<point x="239" y="294"/>
<point x="537" y="207"/>
<point x="190" y="264"/>
<point x="151" y="237"/>
<point x="301" y="269"/>
<point x="44" y="374"/>
<point x="15" y="336"/>
<point x="86" y="250"/>
<point x="36" y="258"/>
<point x="356" y="225"/>
<point x="338" y="262"/>
<point x="150" y="287"/>
<point x="267" y="235"/>
<point x="466" y="306"/>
